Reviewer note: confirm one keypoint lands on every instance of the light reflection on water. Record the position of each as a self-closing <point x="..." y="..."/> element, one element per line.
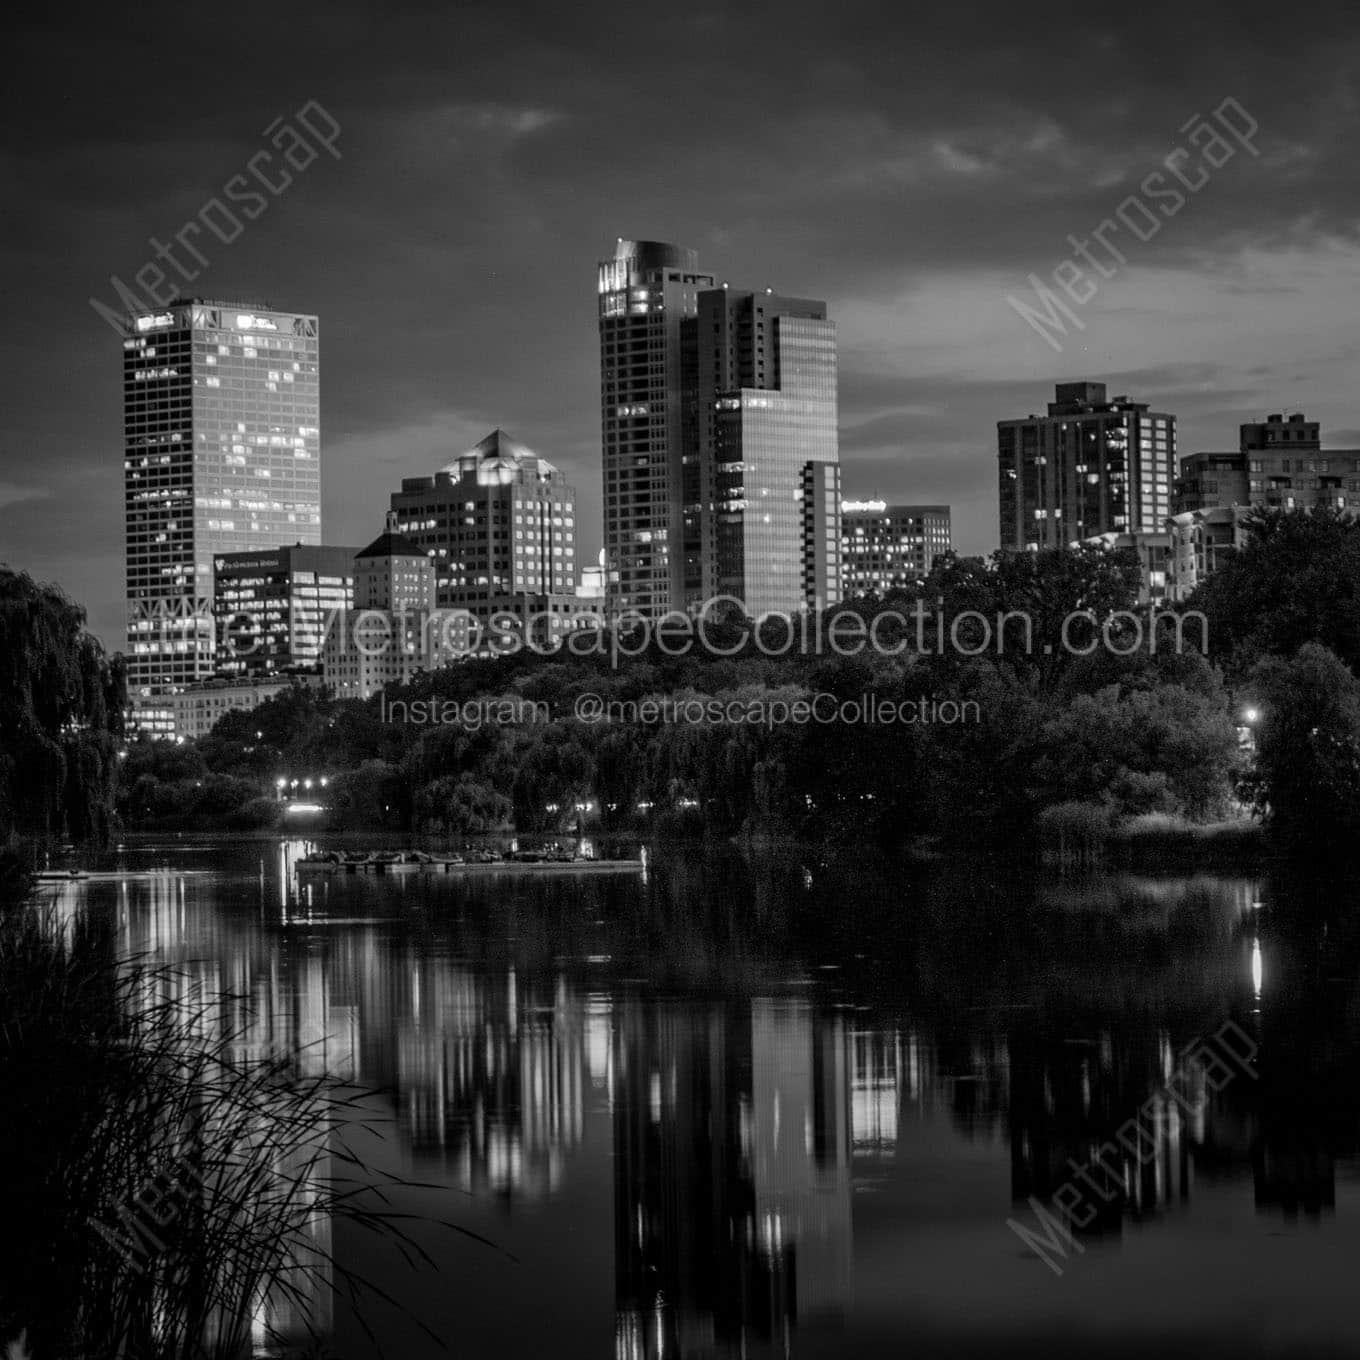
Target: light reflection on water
<point x="801" y="1090"/>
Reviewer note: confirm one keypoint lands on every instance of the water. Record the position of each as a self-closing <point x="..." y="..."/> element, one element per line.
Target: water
<point x="786" y="1106"/>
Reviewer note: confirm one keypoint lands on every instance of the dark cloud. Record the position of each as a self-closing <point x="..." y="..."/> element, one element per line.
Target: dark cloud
<point x="910" y="166"/>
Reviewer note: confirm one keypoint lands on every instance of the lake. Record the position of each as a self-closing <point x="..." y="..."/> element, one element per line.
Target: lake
<point x="785" y="1104"/>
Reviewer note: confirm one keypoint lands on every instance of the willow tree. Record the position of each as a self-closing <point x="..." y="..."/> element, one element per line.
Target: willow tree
<point x="61" y="715"/>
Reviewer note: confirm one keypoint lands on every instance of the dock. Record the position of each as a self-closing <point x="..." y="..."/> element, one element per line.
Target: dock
<point x="466" y="868"/>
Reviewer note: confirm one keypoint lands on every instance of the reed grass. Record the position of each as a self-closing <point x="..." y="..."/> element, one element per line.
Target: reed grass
<point x="170" y="1193"/>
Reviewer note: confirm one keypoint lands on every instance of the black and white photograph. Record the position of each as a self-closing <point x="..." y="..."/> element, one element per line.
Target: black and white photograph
<point x="680" y="683"/>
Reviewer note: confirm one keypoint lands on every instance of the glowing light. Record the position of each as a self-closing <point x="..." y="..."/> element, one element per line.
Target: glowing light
<point x="246" y="322"/>
<point x="151" y="323"/>
<point x="862" y="507"/>
<point x="1250" y="715"/>
<point x="303" y="807"/>
<point x="1256" y="968"/>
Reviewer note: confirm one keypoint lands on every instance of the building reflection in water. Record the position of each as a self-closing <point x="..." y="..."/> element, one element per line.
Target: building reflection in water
<point x="732" y="1155"/>
<point x="237" y="1000"/>
<point x="741" y="1127"/>
<point x="1069" y="1101"/>
<point x="490" y="1074"/>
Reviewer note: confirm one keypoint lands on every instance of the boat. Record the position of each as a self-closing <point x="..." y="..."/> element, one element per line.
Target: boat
<point x="61" y="875"/>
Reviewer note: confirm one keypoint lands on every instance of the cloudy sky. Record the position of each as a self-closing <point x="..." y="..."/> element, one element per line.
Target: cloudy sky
<point x="913" y="166"/>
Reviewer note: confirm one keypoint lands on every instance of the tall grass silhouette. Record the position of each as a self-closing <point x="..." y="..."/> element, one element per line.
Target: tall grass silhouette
<point x="170" y="1194"/>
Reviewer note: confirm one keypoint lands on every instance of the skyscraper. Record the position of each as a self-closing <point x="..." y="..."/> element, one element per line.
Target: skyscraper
<point x="648" y="292"/>
<point x="500" y="524"/>
<point x="768" y="508"/>
<point x="1090" y="466"/>
<point x="221" y="418"/>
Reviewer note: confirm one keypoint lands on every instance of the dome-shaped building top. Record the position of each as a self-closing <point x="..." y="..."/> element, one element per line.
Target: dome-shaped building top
<point x="499" y="460"/>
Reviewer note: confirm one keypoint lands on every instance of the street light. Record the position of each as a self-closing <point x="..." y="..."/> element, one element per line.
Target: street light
<point x="1250" y="715"/>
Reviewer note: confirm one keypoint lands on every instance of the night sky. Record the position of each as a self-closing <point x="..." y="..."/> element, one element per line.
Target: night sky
<point x="910" y="166"/>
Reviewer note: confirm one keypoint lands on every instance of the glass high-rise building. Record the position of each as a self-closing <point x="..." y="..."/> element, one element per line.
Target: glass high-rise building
<point x="648" y="295"/>
<point x="1091" y="466"/>
<point x="222" y="445"/>
<point x="767" y="453"/>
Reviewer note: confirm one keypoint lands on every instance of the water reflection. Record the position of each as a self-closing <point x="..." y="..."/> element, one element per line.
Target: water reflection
<point x="732" y="1175"/>
<point x="766" y="1056"/>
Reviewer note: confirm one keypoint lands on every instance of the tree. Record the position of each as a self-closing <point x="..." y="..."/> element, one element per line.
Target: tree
<point x="1165" y="749"/>
<point x="61" y="707"/>
<point x="1307" y="777"/>
<point x="458" y="805"/>
<point x="1295" y="581"/>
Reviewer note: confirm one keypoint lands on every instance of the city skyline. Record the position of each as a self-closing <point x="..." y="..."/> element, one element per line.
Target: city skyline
<point x="450" y="218"/>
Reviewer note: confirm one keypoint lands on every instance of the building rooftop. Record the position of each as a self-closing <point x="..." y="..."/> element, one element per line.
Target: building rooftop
<point x="391" y="544"/>
<point x="499" y="459"/>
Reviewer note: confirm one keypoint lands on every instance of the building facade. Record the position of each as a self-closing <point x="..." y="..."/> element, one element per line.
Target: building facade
<point x="1279" y="464"/>
<point x="1210" y="479"/>
<point x="768" y="510"/>
<point x="890" y="547"/>
<point x="1091" y="466"/>
<point x="394" y="631"/>
<point x="590" y="586"/>
<point x="1201" y="540"/>
<point x="221" y="453"/>
<point x="272" y="609"/>
<point x="195" y="710"/>
<point x="499" y="524"/>
<point x="648" y="296"/>
<point x="1153" y="551"/>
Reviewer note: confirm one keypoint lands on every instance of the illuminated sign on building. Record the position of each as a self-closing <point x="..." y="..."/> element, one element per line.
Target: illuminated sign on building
<point x="246" y="322"/>
<point x="151" y="323"/>
<point x="863" y="507"/>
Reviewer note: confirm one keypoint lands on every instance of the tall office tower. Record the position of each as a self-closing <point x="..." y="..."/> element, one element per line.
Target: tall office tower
<point x="767" y="453"/>
<point x="890" y="547"/>
<point x="647" y="292"/>
<point x="500" y="525"/>
<point x="221" y="419"/>
<point x="1090" y="466"/>
<point x="272" y="608"/>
